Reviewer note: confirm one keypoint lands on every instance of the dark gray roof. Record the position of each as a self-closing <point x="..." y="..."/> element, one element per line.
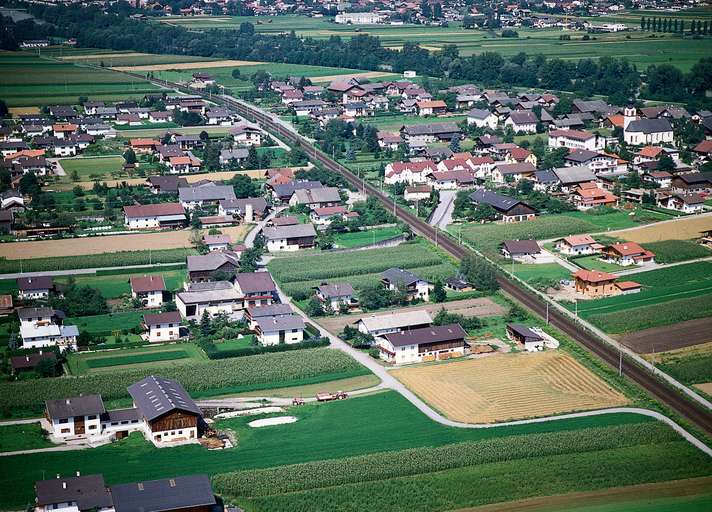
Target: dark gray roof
<point x="497" y="201"/>
<point x="169" y="317"/>
<point x="206" y="193"/>
<point x="515" y="247"/>
<point x="431" y="128"/>
<point x="271" y="310"/>
<point x="254" y="282"/>
<point x="400" y="276"/>
<point x="212" y="261"/>
<point x="238" y="154"/>
<point x="290" y="231"/>
<point x="24" y="313"/>
<point x="156" y="396"/>
<point x="317" y="195"/>
<point x="35" y="283"/>
<point x="88" y="492"/>
<point x="649" y="126"/>
<point x="479" y="113"/>
<point x="573" y="175"/>
<point x="180" y="492"/>
<point x="432" y="334"/>
<point x="336" y="289"/>
<point x="545" y="177"/>
<point x="209" y="286"/>
<point x="76" y="406"/>
<point x="524" y="331"/>
<point x="121" y="415"/>
<point x="523" y="117"/>
<point x="280" y="323"/>
<point x="581" y="155"/>
<point x="168" y="183"/>
<point x="258" y="204"/>
<point x="287" y="189"/>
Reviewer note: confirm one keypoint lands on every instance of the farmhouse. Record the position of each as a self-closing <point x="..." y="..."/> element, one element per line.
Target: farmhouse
<point x="33" y="288"/>
<point x="525" y="251"/>
<point x="160" y="215"/>
<point x="684" y="203"/>
<point x="648" y="131"/>
<point x="217" y="242"/>
<point x="149" y="290"/>
<point x="43" y="327"/>
<point x="191" y="493"/>
<point x="408" y="172"/>
<point x="253" y="313"/>
<point x="431" y="107"/>
<point x="196" y="197"/>
<point x="575" y="139"/>
<point x="578" y="245"/>
<point x="289" y="238"/>
<point x="335" y="295"/>
<point x="522" y="122"/>
<point x="316" y="197"/>
<point x="204" y="267"/>
<point x="29" y="362"/>
<point x="508" y="208"/>
<point x="247" y="134"/>
<point x="393" y="322"/>
<point x="482" y="119"/>
<point x="692" y="182"/>
<point x="425" y="344"/>
<point x="572" y="177"/>
<point x="284" y="192"/>
<point x="166" y="184"/>
<point x="417" y="192"/>
<point x="213" y="297"/>
<point x="325" y="216"/>
<point x="277" y="330"/>
<point x="420" y="135"/>
<point x="627" y="253"/>
<point x="162" y="326"/>
<point x="504" y="172"/>
<point x="523" y="335"/>
<point x="397" y="279"/>
<point x="79" y="416"/>
<point x="589" y="195"/>
<point x="594" y="283"/>
<point x="255" y="289"/>
<point x="250" y="209"/>
<point x="74" y="494"/>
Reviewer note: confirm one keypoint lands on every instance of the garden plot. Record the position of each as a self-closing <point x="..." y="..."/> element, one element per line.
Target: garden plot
<point x="508" y="387"/>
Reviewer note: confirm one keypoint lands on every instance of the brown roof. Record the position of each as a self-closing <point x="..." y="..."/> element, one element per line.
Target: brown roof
<point x="579" y="240"/>
<point x="30" y="360"/>
<point x="593" y="276"/>
<point x="628" y="285"/>
<point x="433" y="334"/>
<point x="143" y="284"/>
<point x="285" y="221"/>
<point x="169" y="317"/>
<point x="627" y="249"/>
<point x="152" y="210"/>
<point x="5" y="301"/>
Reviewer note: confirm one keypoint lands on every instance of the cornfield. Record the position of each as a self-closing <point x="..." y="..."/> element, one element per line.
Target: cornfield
<point x="198" y="377"/>
<point x="381" y="466"/>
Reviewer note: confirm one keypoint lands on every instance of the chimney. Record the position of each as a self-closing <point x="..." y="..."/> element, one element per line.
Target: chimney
<point x="249" y="213"/>
<point x="79" y="474"/>
<point x="27" y="358"/>
<point x="57" y="476"/>
<point x="64" y="485"/>
<point x="67" y="401"/>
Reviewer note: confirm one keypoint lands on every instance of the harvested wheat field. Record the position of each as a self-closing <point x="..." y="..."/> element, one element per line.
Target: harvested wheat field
<point x="705" y="387"/>
<point x="507" y="387"/>
<point x="684" y="228"/>
<point x="366" y="74"/>
<point x="189" y="65"/>
<point x="95" y="56"/>
<point x="109" y="243"/>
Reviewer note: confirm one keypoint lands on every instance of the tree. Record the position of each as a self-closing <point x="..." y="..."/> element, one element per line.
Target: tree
<point x="484" y="211"/>
<point x="3" y="109"/>
<point x="205" y="329"/>
<point x="253" y="160"/>
<point x="480" y="273"/>
<point x="195" y="222"/>
<point x="74" y="175"/>
<point x="249" y="259"/>
<point x="455" y="144"/>
<point x="244" y="186"/>
<point x="236" y="73"/>
<point x="642" y="23"/>
<point x="438" y="294"/>
<point x="130" y="156"/>
<point x="196" y="240"/>
<point x="666" y="163"/>
<point x="47" y="368"/>
<point x="314" y="307"/>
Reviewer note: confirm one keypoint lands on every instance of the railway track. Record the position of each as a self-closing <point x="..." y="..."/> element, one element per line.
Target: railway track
<point x="694" y="412"/>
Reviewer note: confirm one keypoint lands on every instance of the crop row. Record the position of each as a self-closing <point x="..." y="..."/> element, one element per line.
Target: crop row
<point x="379" y="466"/>
<point x="198" y="377"/>
<point x="108" y="259"/>
<point x="361" y="281"/>
<point x="346" y="264"/>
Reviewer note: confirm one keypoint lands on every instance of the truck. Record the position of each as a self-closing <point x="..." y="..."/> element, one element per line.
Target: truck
<point x="327" y="397"/>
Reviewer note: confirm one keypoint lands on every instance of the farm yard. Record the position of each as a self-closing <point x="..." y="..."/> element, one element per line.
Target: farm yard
<point x="29" y="80"/>
<point x="173" y="239"/>
<point x="508" y="387"/>
<point x="639" y="48"/>
<point x="298" y="273"/>
<point x="669" y="295"/>
<point x="333" y="445"/>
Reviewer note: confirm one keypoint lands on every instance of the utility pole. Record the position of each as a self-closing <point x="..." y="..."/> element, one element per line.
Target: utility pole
<point x="547" y="313"/>
<point x="620" y="360"/>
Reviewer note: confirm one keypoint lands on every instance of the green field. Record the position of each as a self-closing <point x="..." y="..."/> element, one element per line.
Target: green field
<point x="669" y="295"/>
<point x="244" y="342"/>
<point x="103" y="325"/>
<point x="637" y="47"/>
<point x="82" y="363"/>
<point x="359" y="238"/>
<point x="532" y="273"/>
<point x="90" y="169"/>
<point x="361" y="268"/>
<point x="672" y="251"/>
<point x="570" y="457"/>
<point x="29" y="80"/>
<point x="690" y="369"/>
<point x="22" y="437"/>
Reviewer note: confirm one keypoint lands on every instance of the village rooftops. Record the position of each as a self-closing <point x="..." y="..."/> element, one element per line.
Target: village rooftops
<point x="167" y="183"/>
<point x="88" y="492"/>
<point x="648" y="126"/>
<point x="156" y="396"/>
<point x="523" y="117"/>
<point x="43" y="312"/>
<point x="211" y="261"/>
<point x="431" y="129"/>
<point x="216" y="239"/>
<point x="573" y="175"/>
<point x="169" y="317"/>
<point x="497" y="201"/>
<point x="27" y="284"/>
<point x="336" y="290"/>
<point x="259" y="204"/>
<point x="255" y="282"/>
<point x="86" y="405"/>
<point x="154" y="210"/>
<point x="270" y="310"/>
<point x="593" y="276"/>
<point x="289" y="231"/>
<point x="396" y="320"/>
<point x="192" y="492"/>
<point x="432" y="334"/>
<point x="279" y="323"/>
<point x="285" y="221"/>
<point x="572" y="134"/>
<point x="318" y="195"/>
<point x="144" y="284"/>
<point x="478" y="113"/>
<point x="206" y="193"/>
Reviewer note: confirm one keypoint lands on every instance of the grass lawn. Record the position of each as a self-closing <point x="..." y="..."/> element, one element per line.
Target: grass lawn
<point x="618" y="219"/>
<point x="528" y="272"/>
<point x="104" y="325"/>
<point x="22" y="437"/>
<point x="357" y="426"/>
<point x="594" y="263"/>
<point x="81" y="363"/>
<point x="114" y="286"/>
<point x="359" y="238"/>
<point x="244" y="342"/>
<point x="91" y="168"/>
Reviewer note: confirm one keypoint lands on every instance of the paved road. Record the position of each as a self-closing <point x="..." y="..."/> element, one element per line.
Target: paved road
<point x="442" y="216"/>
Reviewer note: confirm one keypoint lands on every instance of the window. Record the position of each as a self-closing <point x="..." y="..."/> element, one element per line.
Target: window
<point x="64" y="420"/>
<point x="158" y="333"/>
<point x="91" y="417"/>
<point x="180" y="432"/>
<point x="65" y="431"/>
<point x="92" y="427"/>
